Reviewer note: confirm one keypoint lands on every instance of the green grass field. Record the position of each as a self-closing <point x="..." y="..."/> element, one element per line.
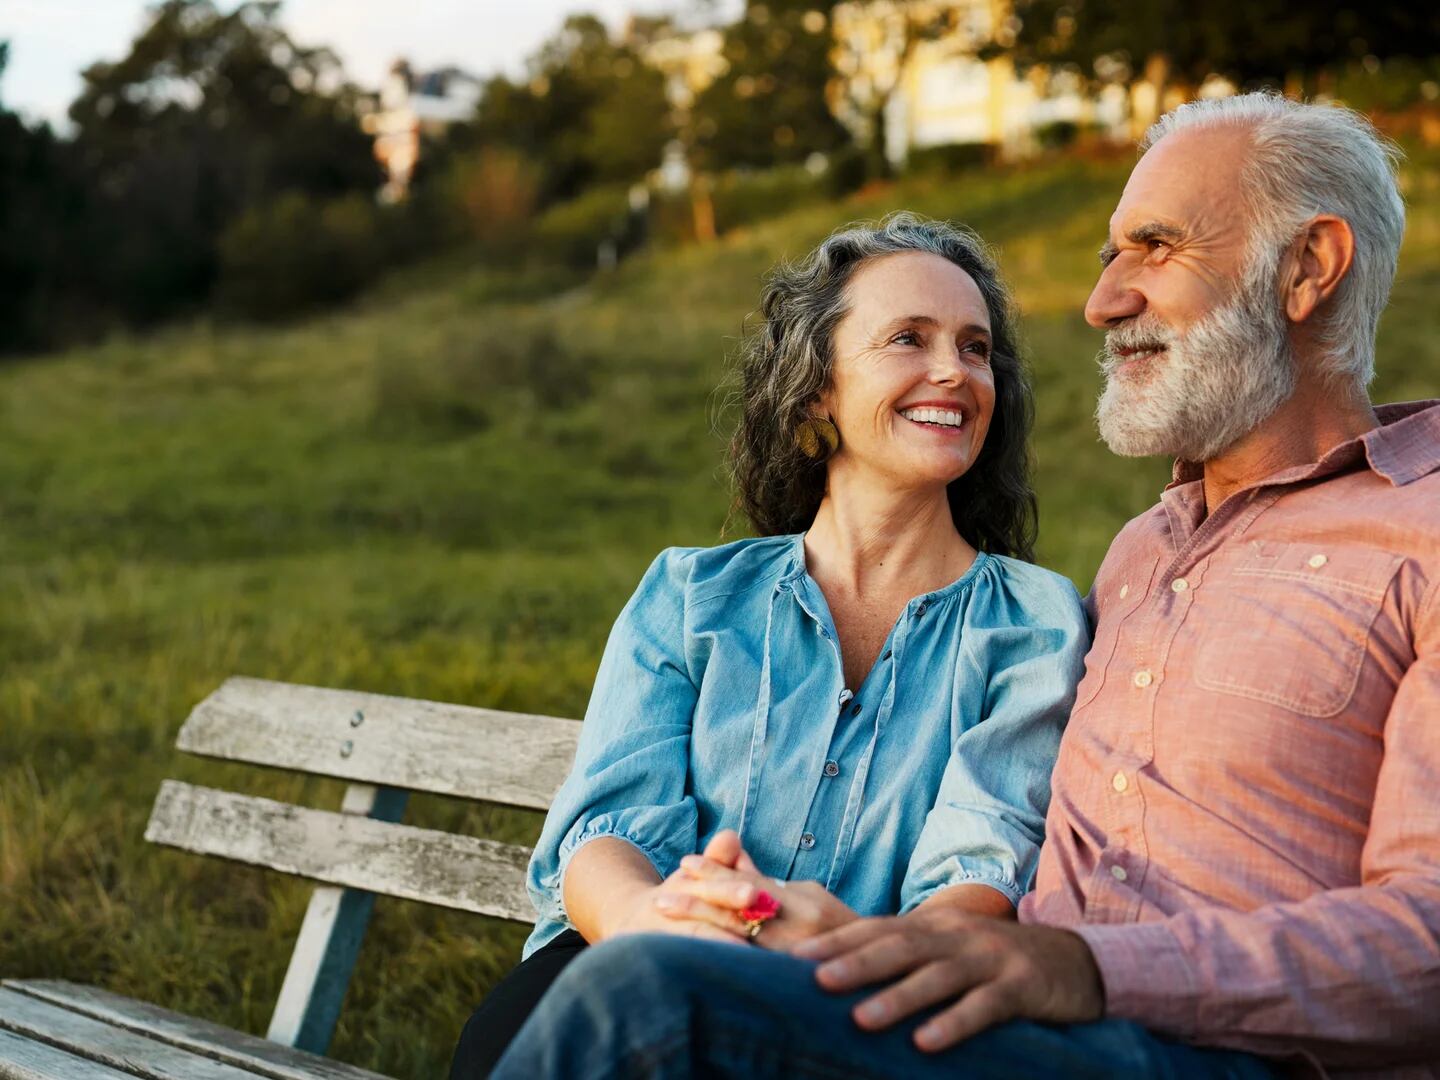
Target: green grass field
<point x="373" y="500"/>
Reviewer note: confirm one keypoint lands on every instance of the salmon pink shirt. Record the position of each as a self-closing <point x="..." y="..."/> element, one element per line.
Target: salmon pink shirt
<point x="1245" y="819"/>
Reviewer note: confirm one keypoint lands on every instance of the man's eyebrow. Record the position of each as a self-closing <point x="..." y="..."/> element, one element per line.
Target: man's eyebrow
<point x="1154" y="230"/>
<point x="1151" y="230"/>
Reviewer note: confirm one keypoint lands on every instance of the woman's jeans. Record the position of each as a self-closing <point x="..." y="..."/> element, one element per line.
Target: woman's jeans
<point x="660" y="1006"/>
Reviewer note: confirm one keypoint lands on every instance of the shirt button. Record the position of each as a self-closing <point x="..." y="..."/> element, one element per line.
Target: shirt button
<point x="1118" y="782"/>
<point x="1179" y="585"/>
<point x="832" y="768"/>
<point x="807" y="841"/>
<point x="1118" y="873"/>
<point x="1124" y="591"/>
<point x="1317" y="561"/>
<point x="1143" y="679"/>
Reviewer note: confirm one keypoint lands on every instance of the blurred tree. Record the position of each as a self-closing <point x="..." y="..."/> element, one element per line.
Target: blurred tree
<point x="210" y="114"/>
<point x="590" y="110"/>
<point x="769" y="107"/>
<point x="871" y="50"/>
<point x="1253" y="43"/>
<point x="40" y="200"/>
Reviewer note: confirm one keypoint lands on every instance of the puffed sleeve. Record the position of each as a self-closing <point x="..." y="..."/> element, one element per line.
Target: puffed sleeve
<point x="988" y="820"/>
<point x="629" y="779"/>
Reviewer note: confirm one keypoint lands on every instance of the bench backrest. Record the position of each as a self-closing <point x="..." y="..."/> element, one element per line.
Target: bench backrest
<point x="386" y="747"/>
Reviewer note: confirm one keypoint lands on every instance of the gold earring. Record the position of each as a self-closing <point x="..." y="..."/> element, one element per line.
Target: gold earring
<point x="817" y="437"/>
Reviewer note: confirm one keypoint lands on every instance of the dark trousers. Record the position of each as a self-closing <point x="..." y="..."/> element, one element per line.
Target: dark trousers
<point x="491" y="1026"/>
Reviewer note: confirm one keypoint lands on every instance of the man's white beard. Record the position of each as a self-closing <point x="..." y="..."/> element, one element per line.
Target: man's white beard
<point x="1212" y="385"/>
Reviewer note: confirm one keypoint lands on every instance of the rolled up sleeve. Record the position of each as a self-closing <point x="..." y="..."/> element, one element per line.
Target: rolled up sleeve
<point x="988" y="820"/>
<point x="630" y="774"/>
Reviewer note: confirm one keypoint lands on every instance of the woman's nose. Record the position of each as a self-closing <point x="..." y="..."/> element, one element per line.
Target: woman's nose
<point x="949" y="368"/>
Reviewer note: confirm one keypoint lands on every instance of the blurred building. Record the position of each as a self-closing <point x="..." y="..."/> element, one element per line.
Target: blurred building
<point x="917" y="70"/>
<point x="410" y="106"/>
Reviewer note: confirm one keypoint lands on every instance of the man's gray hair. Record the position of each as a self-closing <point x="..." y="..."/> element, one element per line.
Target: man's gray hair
<point x="1306" y="160"/>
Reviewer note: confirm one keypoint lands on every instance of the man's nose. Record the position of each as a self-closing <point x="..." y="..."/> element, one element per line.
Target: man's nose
<point x="1112" y="300"/>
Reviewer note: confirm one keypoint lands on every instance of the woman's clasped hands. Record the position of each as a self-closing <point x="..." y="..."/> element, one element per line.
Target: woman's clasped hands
<point x="710" y="891"/>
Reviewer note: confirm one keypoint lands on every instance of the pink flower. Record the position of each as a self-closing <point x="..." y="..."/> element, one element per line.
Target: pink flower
<point x="762" y="909"/>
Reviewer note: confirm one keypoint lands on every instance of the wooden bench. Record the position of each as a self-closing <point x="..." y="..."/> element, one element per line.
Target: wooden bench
<point x="386" y="747"/>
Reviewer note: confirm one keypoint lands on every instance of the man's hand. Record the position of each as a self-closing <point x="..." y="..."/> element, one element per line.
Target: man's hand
<point x="990" y="971"/>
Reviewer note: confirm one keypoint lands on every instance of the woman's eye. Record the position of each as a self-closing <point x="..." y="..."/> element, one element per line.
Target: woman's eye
<point x="906" y="337"/>
<point x="979" y="348"/>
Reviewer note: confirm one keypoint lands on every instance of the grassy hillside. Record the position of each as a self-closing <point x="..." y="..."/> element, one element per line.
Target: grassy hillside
<point x="446" y="492"/>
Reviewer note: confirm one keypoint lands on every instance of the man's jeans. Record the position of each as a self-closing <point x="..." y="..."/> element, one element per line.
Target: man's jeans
<point x="661" y="1006"/>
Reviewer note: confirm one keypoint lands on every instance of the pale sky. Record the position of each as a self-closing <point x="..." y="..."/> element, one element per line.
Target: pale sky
<point x="51" y="41"/>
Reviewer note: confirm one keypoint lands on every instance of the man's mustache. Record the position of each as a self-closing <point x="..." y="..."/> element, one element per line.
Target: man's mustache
<point x="1141" y="334"/>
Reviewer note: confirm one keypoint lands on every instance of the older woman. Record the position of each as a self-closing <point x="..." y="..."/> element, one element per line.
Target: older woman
<point x="866" y="699"/>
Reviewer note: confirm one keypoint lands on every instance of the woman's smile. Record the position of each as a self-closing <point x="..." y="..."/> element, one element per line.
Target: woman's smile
<point x="947" y="420"/>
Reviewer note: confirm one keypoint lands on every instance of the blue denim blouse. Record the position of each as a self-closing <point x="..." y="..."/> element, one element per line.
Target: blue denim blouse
<point x="721" y="703"/>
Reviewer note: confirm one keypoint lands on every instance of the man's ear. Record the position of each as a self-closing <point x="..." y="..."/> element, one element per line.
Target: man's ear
<point x="1324" y="255"/>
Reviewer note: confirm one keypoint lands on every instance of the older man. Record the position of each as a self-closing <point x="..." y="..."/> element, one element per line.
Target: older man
<point x="1242" y="865"/>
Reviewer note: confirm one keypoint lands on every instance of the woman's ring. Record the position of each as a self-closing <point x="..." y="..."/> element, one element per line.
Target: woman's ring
<point x="760" y="911"/>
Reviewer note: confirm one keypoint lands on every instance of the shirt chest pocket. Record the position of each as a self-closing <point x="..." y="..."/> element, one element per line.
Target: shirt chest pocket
<point x="1289" y="625"/>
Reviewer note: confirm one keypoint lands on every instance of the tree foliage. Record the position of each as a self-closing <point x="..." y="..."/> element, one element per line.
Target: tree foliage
<point x="769" y="106"/>
<point x="590" y="110"/>
<point x="208" y="116"/>
<point x="1253" y="43"/>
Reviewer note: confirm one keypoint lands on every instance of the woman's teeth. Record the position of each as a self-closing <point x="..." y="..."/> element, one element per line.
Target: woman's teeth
<point x="944" y="417"/>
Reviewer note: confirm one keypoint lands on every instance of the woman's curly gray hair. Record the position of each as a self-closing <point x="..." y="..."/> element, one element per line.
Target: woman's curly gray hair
<point x="787" y="360"/>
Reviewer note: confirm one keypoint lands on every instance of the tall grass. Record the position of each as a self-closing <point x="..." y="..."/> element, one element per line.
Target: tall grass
<point x="446" y="492"/>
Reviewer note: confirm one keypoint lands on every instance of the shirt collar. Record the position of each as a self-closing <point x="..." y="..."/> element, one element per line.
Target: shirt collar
<point x="1405" y="447"/>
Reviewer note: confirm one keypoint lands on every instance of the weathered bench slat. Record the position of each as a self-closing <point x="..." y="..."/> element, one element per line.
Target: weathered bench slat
<point x="96" y="1040"/>
<point x="460" y="872"/>
<point x="510" y="758"/>
<point x="22" y="1059"/>
<point x="257" y="1056"/>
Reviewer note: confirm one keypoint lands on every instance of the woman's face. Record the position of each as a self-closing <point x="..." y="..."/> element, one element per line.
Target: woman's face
<point x="912" y="390"/>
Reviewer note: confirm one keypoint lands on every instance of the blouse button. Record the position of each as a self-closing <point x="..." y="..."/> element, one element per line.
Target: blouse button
<point x="832" y="768"/>
<point x="919" y="611"/>
<point x="886" y="656"/>
<point x="807" y="841"/>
